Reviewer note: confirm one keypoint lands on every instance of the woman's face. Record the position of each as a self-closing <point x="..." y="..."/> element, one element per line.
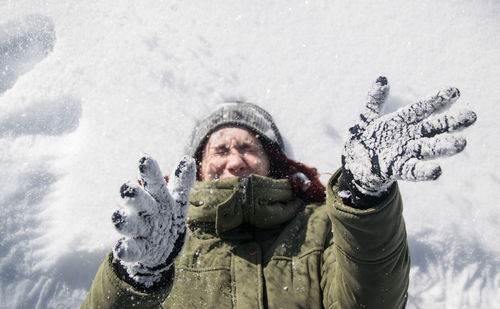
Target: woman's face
<point x="233" y="152"/>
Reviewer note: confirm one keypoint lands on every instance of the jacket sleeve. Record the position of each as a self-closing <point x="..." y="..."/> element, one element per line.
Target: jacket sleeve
<point x="367" y="263"/>
<point x="108" y="290"/>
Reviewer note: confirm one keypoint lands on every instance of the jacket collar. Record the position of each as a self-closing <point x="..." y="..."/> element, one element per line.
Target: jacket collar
<point x="223" y="205"/>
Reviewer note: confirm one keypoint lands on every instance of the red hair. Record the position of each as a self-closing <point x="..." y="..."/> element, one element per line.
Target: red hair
<point x="304" y="179"/>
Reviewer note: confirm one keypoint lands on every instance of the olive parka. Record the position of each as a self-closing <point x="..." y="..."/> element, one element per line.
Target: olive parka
<point x="252" y="244"/>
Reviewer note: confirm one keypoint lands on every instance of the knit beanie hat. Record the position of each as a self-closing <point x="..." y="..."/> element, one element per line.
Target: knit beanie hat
<point x="239" y="114"/>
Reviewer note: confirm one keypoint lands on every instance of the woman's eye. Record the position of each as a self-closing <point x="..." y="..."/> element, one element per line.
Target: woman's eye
<point x="222" y="151"/>
<point x="247" y="148"/>
<point x="252" y="149"/>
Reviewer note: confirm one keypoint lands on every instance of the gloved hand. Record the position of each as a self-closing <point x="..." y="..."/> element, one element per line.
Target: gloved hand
<point x="152" y="220"/>
<point x="383" y="148"/>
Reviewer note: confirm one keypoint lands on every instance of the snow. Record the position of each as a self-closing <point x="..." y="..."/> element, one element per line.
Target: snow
<point x="87" y="86"/>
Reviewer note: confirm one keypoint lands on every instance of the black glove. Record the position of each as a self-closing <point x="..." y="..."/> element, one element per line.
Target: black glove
<point x="152" y="220"/>
<point x="383" y="148"/>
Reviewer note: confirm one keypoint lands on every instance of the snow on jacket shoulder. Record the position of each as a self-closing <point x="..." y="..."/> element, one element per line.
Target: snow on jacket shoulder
<point x="253" y="245"/>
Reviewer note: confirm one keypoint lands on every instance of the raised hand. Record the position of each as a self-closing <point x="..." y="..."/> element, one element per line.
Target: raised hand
<point x="152" y="219"/>
<point x="383" y="148"/>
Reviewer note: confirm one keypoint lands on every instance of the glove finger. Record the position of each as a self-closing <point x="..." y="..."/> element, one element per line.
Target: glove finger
<point x="417" y="170"/>
<point x="135" y="199"/>
<point x="130" y="249"/>
<point x="376" y="99"/>
<point x="418" y="111"/>
<point x="181" y="181"/>
<point x="130" y="223"/>
<point x="430" y="148"/>
<point x="446" y="123"/>
<point x="152" y="179"/>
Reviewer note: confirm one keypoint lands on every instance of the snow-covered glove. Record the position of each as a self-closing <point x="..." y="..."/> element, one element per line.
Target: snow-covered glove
<point x="383" y="148"/>
<point x="153" y="220"/>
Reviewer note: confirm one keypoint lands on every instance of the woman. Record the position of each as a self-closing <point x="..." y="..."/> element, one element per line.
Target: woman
<point x="261" y="234"/>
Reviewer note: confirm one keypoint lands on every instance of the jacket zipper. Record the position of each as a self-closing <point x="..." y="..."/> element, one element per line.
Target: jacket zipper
<point x="243" y="186"/>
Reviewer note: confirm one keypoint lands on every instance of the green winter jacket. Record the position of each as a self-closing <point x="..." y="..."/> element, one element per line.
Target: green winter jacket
<point x="253" y="245"/>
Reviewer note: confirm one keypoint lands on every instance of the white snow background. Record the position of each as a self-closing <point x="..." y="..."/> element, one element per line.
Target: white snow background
<point x="86" y="86"/>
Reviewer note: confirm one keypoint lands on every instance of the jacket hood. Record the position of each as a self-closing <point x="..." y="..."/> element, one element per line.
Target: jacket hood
<point x="220" y="206"/>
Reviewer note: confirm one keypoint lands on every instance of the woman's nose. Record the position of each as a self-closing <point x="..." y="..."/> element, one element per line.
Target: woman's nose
<point x="235" y="163"/>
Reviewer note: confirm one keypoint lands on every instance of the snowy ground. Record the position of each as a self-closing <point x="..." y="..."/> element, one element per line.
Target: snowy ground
<point x="86" y="86"/>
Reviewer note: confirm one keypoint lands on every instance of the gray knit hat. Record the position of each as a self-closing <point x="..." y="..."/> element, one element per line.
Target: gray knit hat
<point x="238" y="114"/>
